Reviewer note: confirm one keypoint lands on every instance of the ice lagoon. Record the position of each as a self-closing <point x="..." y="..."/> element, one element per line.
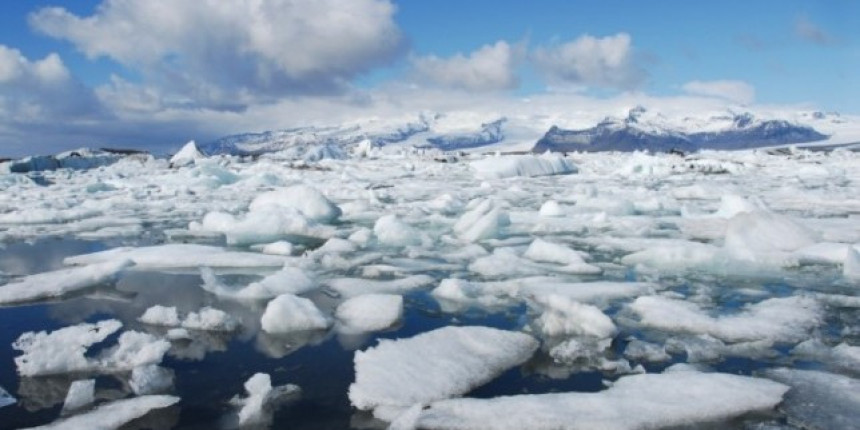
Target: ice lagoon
<point x="596" y="290"/>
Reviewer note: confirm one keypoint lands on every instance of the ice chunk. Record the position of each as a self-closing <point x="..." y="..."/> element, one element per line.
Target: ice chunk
<point x="289" y="280"/>
<point x="60" y="282"/>
<point x="819" y="400"/>
<point x="112" y="415"/>
<point x="150" y="379"/>
<point x="765" y="236"/>
<point x="263" y="225"/>
<point x="677" y="256"/>
<point x="80" y="395"/>
<point x="551" y="208"/>
<point x="134" y="349"/>
<point x="351" y="287"/>
<point x="187" y="155"/>
<point x="61" y="351"/>
<point x="257" y="408"/>
<point x="824" y="253"/>
<point x="645" y="351"/>
<point x="522" y="165"/>
<point x="280" y="247"/>
<point x="179" y="256"/>
<point x="371" y="312"/>
<point x="6" y="399"/>
<point x="210" y="319"/>
<point x="160" y="315"/>
<point x="434" y="365"/>
<point x="391" y="231"/>
<point x="287" y="313"/>
<point x="543" y="251"/>
<point x="484" y="220"/>
<point x="777" y="319"/>
<point x="633" y="402"/>
<point x="564" y="317"/>
<point x="851" y="267"/>
<point x="307" y="200"/>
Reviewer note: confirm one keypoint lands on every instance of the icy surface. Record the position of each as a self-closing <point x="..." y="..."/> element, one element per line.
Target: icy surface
<point x="306" y="200"/>
<point x="60" y="282"/>
<point x="523" y="165"/>
<point x="819" y="400"/>
<point x="179" y="256"/>
<point x="113" y="415"/>
<point x="435" y="365"/>
<point x="287" y="313"/>
<point x="633" y="402"/>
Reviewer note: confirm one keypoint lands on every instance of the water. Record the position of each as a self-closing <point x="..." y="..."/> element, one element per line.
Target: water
<point x="212" y="368"/>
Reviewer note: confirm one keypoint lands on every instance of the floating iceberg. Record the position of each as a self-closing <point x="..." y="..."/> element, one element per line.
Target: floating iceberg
<point x="58" y="283"/>
<point x="522" y="165"/>
<point x="288" y="313"/>
<point x="370" y="312"/>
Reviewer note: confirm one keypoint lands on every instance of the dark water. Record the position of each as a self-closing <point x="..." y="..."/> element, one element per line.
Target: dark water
<point x="213" y="367"/>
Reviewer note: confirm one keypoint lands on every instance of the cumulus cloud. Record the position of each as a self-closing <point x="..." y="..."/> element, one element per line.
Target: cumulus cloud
<point x="490" y="68"/>
<point x="809" y="31"/>
<point x="603" y="62"/>
<point x="735" y="91"/>
<point x="227" y="54"/>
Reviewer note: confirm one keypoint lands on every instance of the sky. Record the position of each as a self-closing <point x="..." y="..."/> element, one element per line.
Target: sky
<point x="153" y="74"/>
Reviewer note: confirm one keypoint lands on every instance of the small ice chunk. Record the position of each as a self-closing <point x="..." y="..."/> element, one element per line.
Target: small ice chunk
<point x="760" y="235"/>
<point x="391" y="231"/>
<point x="112" y="415"/>
<point x="289" y="280"/>
<point x="645" y="351"/>
<point x="179" y="255"/>
<point x="160" y="315"/>
<point x="263" y="225"/>
<point x="134" y="349"/>
<point x="643" y="401"/>
<point x="484" y="220"/>
<point x="547" y="252"/>
<point x="187" y="155"/>
<point x="370" y="312"/>
<point x="210" y="319"/>
<point x="61" y="351"/>
<point x="434" y="365"/>
<point x="150" y="379"/>
<point x="783" y="319"/>
<point x="6" y="399"/>
<point x="351" y="287"/>
<point x="281" y="247"/>
<point x="522" y="165"/>
<point x="851" y="267"/>
<point x="287" y="313"/>
<point x="60" y="282"/>
<point x="562" y="316"/>
<point x="80" y="395"/>
<point x="307" y="200"/>
<point x="256" y="409"/>
<point x="551" y="208"/>
<point x="819" y="400"/>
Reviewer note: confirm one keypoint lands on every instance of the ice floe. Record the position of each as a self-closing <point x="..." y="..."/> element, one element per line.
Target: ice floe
<point x="819" y="400"/>
<point x="370" y="312"/>
<point x="288" y="313"/>
<point x="81" y="394"/>
<point x="60" y="282"/>
<point x="442" y="363"/>
<point x="113" y="415"/>
<point x="257" y="408"/>
<point x="207" y="318"/>
<point x="523" y="165"/>
<point x="632" y="402"/>
<point x="179" y="256"/>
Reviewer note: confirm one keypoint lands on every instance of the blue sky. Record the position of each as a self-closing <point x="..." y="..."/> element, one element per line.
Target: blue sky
<point x="132" y="72"/>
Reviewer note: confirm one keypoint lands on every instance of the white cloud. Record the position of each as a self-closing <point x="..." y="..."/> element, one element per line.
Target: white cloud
<point x="490" y="68"/>
<point x="227" y="54"/>
<point x="809" y="31"/>
<point x="735" y="91"/>
<point x="603" y="62"/>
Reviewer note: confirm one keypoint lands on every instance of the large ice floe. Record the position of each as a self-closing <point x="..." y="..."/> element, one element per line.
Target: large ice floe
<point x="417" y="288"/>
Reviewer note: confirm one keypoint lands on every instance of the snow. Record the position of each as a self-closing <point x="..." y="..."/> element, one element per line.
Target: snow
<point x="305" y="199"/>
<point x="442" y="363"/>
<point x="370" y="312"/>
<point x="633" y="402"/>
<point x="179" y="256"/>
<point x="288" y="313"/>
<point x="522" y="165"/>
<point x="60" y="282"/>
<point x="113" y="415"/>
<point x="81" y="394"/>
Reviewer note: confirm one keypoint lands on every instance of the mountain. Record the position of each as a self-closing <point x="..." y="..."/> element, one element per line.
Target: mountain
<point x="733" y="131"/>
<point x="79" y="159"/>
<point x="488" y="134"/>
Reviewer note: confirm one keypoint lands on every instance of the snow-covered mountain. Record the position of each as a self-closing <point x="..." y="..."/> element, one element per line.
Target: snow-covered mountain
<point x="730" y="131"/>
<point x="79" y="159"/>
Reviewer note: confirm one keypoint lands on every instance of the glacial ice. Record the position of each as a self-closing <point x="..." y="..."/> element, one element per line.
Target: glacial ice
<point x="819" y="400"/>
<point x="81" y="394"/>
<point x="632" y="402"/>
<point x="352" y="287"/>
<point x="187" y="155"/>
<point x="207" y="319"/>
<point x="562" y="316"/>
<point x="60" y="282"/>
<point x="112" y="415"/>
<point x="306" y="200"/>
<point x="500" y="167"/>
<point x="434" y="365"/>
<point x="256" y="409"/>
